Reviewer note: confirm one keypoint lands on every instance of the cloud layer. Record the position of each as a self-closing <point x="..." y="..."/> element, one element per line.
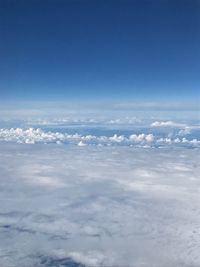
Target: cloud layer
<point x="32" y="136"/>
<point x="98" y="206"/>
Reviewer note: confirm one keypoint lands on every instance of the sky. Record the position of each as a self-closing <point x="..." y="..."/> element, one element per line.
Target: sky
<point x="99" y="50"/>
<point x="99" y="133"/>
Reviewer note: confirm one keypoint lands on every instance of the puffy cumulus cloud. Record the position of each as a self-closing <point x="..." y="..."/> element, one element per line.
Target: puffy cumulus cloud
<point x="29" y="135"/>
<point x="185" y="131"/>
<point x="32" y="136"/>
<point x="167" y="124"/>
<point x="142" y="137"/>
<point x="116" y="138"/>
<point x="99" y="206"/>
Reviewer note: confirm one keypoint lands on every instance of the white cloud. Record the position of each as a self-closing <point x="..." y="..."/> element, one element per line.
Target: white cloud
<point x="185" y="131"/>
<point x="167" y="124"/>
<point x="81" y="144"/>
<point x="32" y="136"/>
<point x="99" y="206"/>
<point x="91" y="258"/>
<point x="116" y="138"/>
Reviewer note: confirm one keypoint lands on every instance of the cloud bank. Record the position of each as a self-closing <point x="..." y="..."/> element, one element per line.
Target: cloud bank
<point x="32" y="136"/>
<point x="98" y="206"/>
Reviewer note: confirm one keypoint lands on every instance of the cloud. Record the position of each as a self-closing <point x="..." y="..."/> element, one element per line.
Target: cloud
<point x="185" y="131"/>
<point x="98" y="206"/>
<point x="167" y="124"/>
<point x="33" y="136"/>
<point x="81" y="144"/>
<point x="142" y="138"/>
<point x="91" y="258"/>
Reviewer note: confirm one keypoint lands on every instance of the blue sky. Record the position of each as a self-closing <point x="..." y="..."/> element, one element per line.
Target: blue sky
<point x="99" y="50"/>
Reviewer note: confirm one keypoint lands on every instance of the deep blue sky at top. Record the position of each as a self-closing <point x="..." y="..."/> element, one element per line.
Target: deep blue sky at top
<point x="115" y="50"/>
